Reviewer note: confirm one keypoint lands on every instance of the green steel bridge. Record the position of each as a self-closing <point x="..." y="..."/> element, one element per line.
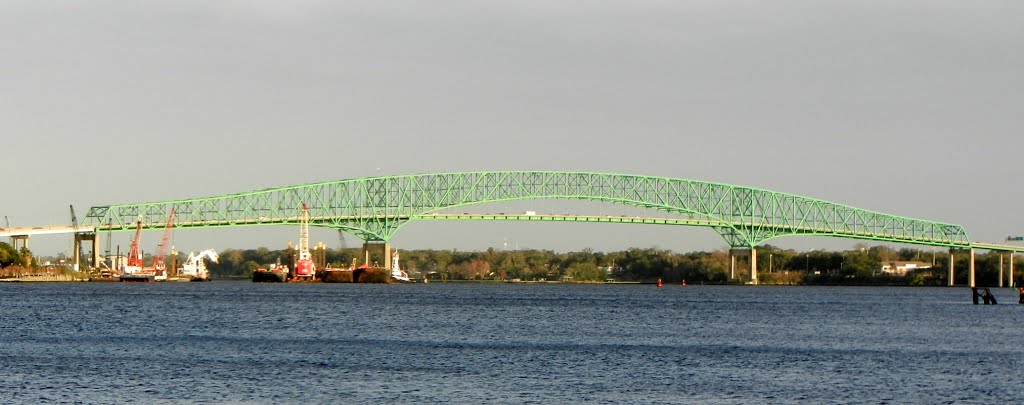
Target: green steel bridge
<point x="376" y="208"/>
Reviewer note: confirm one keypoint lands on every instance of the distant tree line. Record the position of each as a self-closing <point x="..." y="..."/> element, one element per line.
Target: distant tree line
<point x="859" y="266"/>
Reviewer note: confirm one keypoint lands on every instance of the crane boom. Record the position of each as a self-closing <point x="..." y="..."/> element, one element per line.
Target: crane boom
<point x="74" y="225"/>
<point x="304" y="267"/>
<point x="134" y="256"/>
<point x="158" y="261"/>
<point x="304" y="234"/>
<point x="74" y="220"/>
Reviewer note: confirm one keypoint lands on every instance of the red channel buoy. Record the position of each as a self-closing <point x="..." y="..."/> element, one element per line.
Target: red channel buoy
<point x="659" y="282"/>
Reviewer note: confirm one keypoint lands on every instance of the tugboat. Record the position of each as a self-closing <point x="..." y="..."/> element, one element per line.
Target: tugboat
<point x="396" y="272"/>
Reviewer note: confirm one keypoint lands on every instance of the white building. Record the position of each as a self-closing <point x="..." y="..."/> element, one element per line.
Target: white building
<point x="900" y="268"/>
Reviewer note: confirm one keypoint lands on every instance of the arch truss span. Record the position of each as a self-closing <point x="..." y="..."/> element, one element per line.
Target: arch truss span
<point x="374" y="208"/>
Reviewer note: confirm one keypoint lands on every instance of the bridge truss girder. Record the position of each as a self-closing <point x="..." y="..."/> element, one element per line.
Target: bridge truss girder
<point x="376" y="208"/>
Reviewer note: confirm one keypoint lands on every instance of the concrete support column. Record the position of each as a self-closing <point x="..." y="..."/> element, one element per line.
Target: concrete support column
<point x="75" y="248"/>
<point x="951" y="260"/>
<point x="24" y="244"/>
<point x="22" y="238"/>
<point x="1000" y="270"/>
<point x="386" y="253"/>
<point x="732" y="265"/>
<point x="753" y="266"/>
<point x="95" y="251"/>
<point x="970" y="273"/>
<point x="91" y="237"/>
<point x="751" y="254"/>
<point x="1009" y="279"/>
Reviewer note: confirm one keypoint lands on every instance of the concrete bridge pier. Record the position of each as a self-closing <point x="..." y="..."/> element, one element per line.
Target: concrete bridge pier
<point x="1009" y="275"/>
<point x="970" y="265"/>
<point x="732" y="265"/>
<point x="377" y="246"/>
<point x="1000" y="270"/>
<point x="1009" y="278"/>
<point x="22" y="238"/>
<point x="79" y="237"/>
<point x="24" y="244"/>
<point x="971" y="271"/>
<point x="753" y="266"/>
<point x="951" y="264"/>
<point x="751" y="253"/>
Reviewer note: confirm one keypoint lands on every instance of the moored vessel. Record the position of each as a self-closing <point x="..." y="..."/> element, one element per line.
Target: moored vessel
<point x="396" y="272"/>
<point x="105" y="276"/>
<point x="272" y="274"/>
<point x="135" y="274"/>
<point x="365" y="274"/>
<point x="194" y="268"/>
<point x="133" y="271"/>
<point x="159" y="266"/>
<point x="331" y="275"/>
<point x="305" y="269"/>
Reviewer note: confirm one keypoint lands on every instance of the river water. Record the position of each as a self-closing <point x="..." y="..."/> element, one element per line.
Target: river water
<point x="239" y="342"/>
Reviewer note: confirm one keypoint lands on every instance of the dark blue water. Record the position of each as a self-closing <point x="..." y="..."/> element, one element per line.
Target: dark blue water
<point x="238" y="342"/>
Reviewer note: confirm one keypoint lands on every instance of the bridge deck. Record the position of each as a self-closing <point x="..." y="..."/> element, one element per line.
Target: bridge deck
<point x="48" y="230"/>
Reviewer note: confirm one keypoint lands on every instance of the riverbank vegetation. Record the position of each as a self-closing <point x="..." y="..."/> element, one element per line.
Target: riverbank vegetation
<point x="863" y="265"/>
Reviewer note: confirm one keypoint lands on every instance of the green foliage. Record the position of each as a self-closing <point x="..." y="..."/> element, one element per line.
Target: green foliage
<point x="585" y="271"/>
<point x="860" y="266"/>
<point x="26" y="255"/>
<point x="9" y="256"/>
<point x="241" y="263"/>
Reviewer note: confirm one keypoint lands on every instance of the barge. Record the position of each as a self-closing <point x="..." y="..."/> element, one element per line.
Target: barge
<point x="273" y="274"/>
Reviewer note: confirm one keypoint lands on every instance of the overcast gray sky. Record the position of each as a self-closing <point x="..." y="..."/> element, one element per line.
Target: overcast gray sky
<point x="905" y="107"/>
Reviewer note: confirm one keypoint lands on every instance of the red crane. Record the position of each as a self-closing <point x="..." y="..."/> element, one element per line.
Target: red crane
<point x="134" y="256"/>
<point x="304" y="267"/>
<point x="158" y="261"/>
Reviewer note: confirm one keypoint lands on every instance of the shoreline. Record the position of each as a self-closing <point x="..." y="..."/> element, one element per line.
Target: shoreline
<point x="49" y="278"/>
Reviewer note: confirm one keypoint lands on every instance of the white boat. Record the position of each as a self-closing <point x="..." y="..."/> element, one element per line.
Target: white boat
<point x="396" y="272"/>
<point x="195" y="268"/>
